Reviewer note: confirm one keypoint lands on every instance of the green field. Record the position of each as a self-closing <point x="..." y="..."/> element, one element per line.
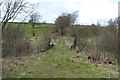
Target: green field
<point x="37" y="30"/>
<point x="40" y="28"/>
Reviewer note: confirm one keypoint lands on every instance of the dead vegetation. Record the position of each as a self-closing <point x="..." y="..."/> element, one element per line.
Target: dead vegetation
<point x="14" y="42"/>
<point x="100" y="44"/>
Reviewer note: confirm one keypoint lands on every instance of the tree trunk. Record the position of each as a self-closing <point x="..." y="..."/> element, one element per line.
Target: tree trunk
<point x="62" y="31"/>
<point x="33" y="29"/>
<point x="75" y="43"/>
<point x="3" y="26"/>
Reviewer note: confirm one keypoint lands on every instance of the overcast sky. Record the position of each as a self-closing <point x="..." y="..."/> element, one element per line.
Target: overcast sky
<point x="90" y="11"/>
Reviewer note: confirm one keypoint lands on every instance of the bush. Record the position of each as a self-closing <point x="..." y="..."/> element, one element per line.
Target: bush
<point x="14" y="42"/>
<point x="108" y="44"/>
<point x="101" y="43"/>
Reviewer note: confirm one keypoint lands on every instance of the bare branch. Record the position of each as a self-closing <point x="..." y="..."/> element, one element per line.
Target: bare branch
<point x="12" y="9"/>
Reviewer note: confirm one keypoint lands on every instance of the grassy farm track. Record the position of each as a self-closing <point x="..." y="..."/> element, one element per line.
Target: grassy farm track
<point x="58" y="62"/>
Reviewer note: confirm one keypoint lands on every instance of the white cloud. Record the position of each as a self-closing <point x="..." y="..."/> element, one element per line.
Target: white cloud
<point x="90" y="11"/>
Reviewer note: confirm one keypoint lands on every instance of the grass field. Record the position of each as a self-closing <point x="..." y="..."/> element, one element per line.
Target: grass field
<point x="39" y="29"/>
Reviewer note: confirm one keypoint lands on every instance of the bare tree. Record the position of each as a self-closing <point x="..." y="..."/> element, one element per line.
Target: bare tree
<point x="34" y="18"/>
<point x="79" y="34"/>
<point x="65" y="20"/>
<point x="74" y="17"/>
<point x="13" y="36"/>
<point x="11" y="9"/>
<point x="62" y="22"/>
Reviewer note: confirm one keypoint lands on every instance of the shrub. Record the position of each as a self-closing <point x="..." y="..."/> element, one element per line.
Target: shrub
<point x="79" y="34"/>
<point x="108" y="44"/>
<point x="14" y="42"/>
